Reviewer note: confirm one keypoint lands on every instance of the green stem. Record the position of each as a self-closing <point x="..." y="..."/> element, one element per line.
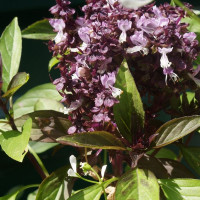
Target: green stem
<point x="39" y="161"/>
<point x="87" y="180"/>
<point x="96" y="175"/>
<point x="11" y="104"/>
<point x="177" y="2"/>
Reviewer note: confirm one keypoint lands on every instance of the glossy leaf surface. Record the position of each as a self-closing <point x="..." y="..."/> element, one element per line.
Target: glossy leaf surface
<point x="129" y="113"/>
<point x="91" y="193"/>
<point x="96" y="140"/>
<point x="56" y="186"/>
<point x="10" y="48"/>
<point x="15" y="143"/>
<point x="137" y="184"/>
<point x="16" y="83"/>
<point x="176" y="129"/>
<point x="25" y="104"/>
<point x="181" y="189"/>
<point x="40" y="30"/>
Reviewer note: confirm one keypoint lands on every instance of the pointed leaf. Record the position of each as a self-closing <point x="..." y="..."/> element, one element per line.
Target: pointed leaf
<point x="52" y="63"/>
<point x="25" y="104"/>
<point x="15" y="143"/>
<point x="181" y="189"/>
<point x="48" y="104"/>
<point x="93" y="192"/>
<point x="16" y="83"/>
<point x="40" y="30"/>
<point x="137" y="184"/>
<point x="47" y="126"/>
<point x="96" y="140"/>
<point x="164" y="153"/>
<point x="10" y="48"/>
<point x="176" y="129"/>
<point x="13" y="196"/>
<point x="57" y="186"/>
<point x="129" y="113"/>
<point x="192" y="156"/>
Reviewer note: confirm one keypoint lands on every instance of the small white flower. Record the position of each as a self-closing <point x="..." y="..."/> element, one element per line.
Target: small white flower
<point x="60" y="37"/>
<point x="164" y="62"/>
<point x="72" y="171"/>
<point x="134" y="4"/>
<point x="136" y="49"/>
<point x="124" y="25"/>
<point x="116" y="92"/>
<point x="103" y="170"/>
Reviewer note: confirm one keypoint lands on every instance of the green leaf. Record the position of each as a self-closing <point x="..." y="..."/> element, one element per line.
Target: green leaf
<point x="181" y="189"/>
<point x="13" y="196"/>
<point x="16" y="83"/>
<point x="15" y="143"/>
<point x="47" y="125"/>
<point x="25" y="104"/>
<point x="93" y="192"/>
<point x="32" y="195"/>
<point x="192" y="156"/>
<point x="96" y="140"/>
<point x="129" y="113"/>
<point x="194" y="25"/>
<point x="52" y="63"/>
<point x="10" y="48"/>
<point x="164" y="153"/>
<point x="57" y="186"/>
<point x="137" y="184"/>
<point x="40" y="147"/>
<point x="176" y="129"/>
<point x="48" y="104"/>
<point x="40" y="30"/>
<point x="154" y="165"/>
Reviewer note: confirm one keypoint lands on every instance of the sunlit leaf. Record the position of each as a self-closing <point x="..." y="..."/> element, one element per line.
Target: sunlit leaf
<point x="40" y="30"/>
<point x="26" y="103"/>
<point x="93" y="192"/>
<point x="16" y="83"/>
<point x="176" y="129"/>
<point x="96" y="140"/>
<point x="52" y="63"/>
<point x="14" y="143"/>
<point x="57" y="186"/>
<point x="137" y="184"/>
<point x="181" y="189"/>
<point x="129" y="113"/>
<point x="48" y="104"/>
<point x="10" y="48"/>
<point x="40" y="147"/>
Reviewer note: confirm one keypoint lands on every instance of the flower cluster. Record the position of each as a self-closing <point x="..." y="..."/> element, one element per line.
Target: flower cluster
<point x="157" y="46"/>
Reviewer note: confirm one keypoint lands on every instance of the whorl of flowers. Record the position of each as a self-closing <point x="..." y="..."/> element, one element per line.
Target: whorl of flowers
<point x="157" y="46"/>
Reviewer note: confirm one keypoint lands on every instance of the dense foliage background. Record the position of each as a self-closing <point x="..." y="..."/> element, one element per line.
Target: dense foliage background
<point x="35" y="58"/>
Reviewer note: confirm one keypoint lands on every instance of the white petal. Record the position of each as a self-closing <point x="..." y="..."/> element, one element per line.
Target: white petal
<point x="122" y="37"/>
<point x="73" y="162"/>
<point x="134" y="4"/>
<point x="71" y="172"/>
<point x="116" y="92"/>
<point x="103" y="170"/>
<point x="136" y="49"/>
